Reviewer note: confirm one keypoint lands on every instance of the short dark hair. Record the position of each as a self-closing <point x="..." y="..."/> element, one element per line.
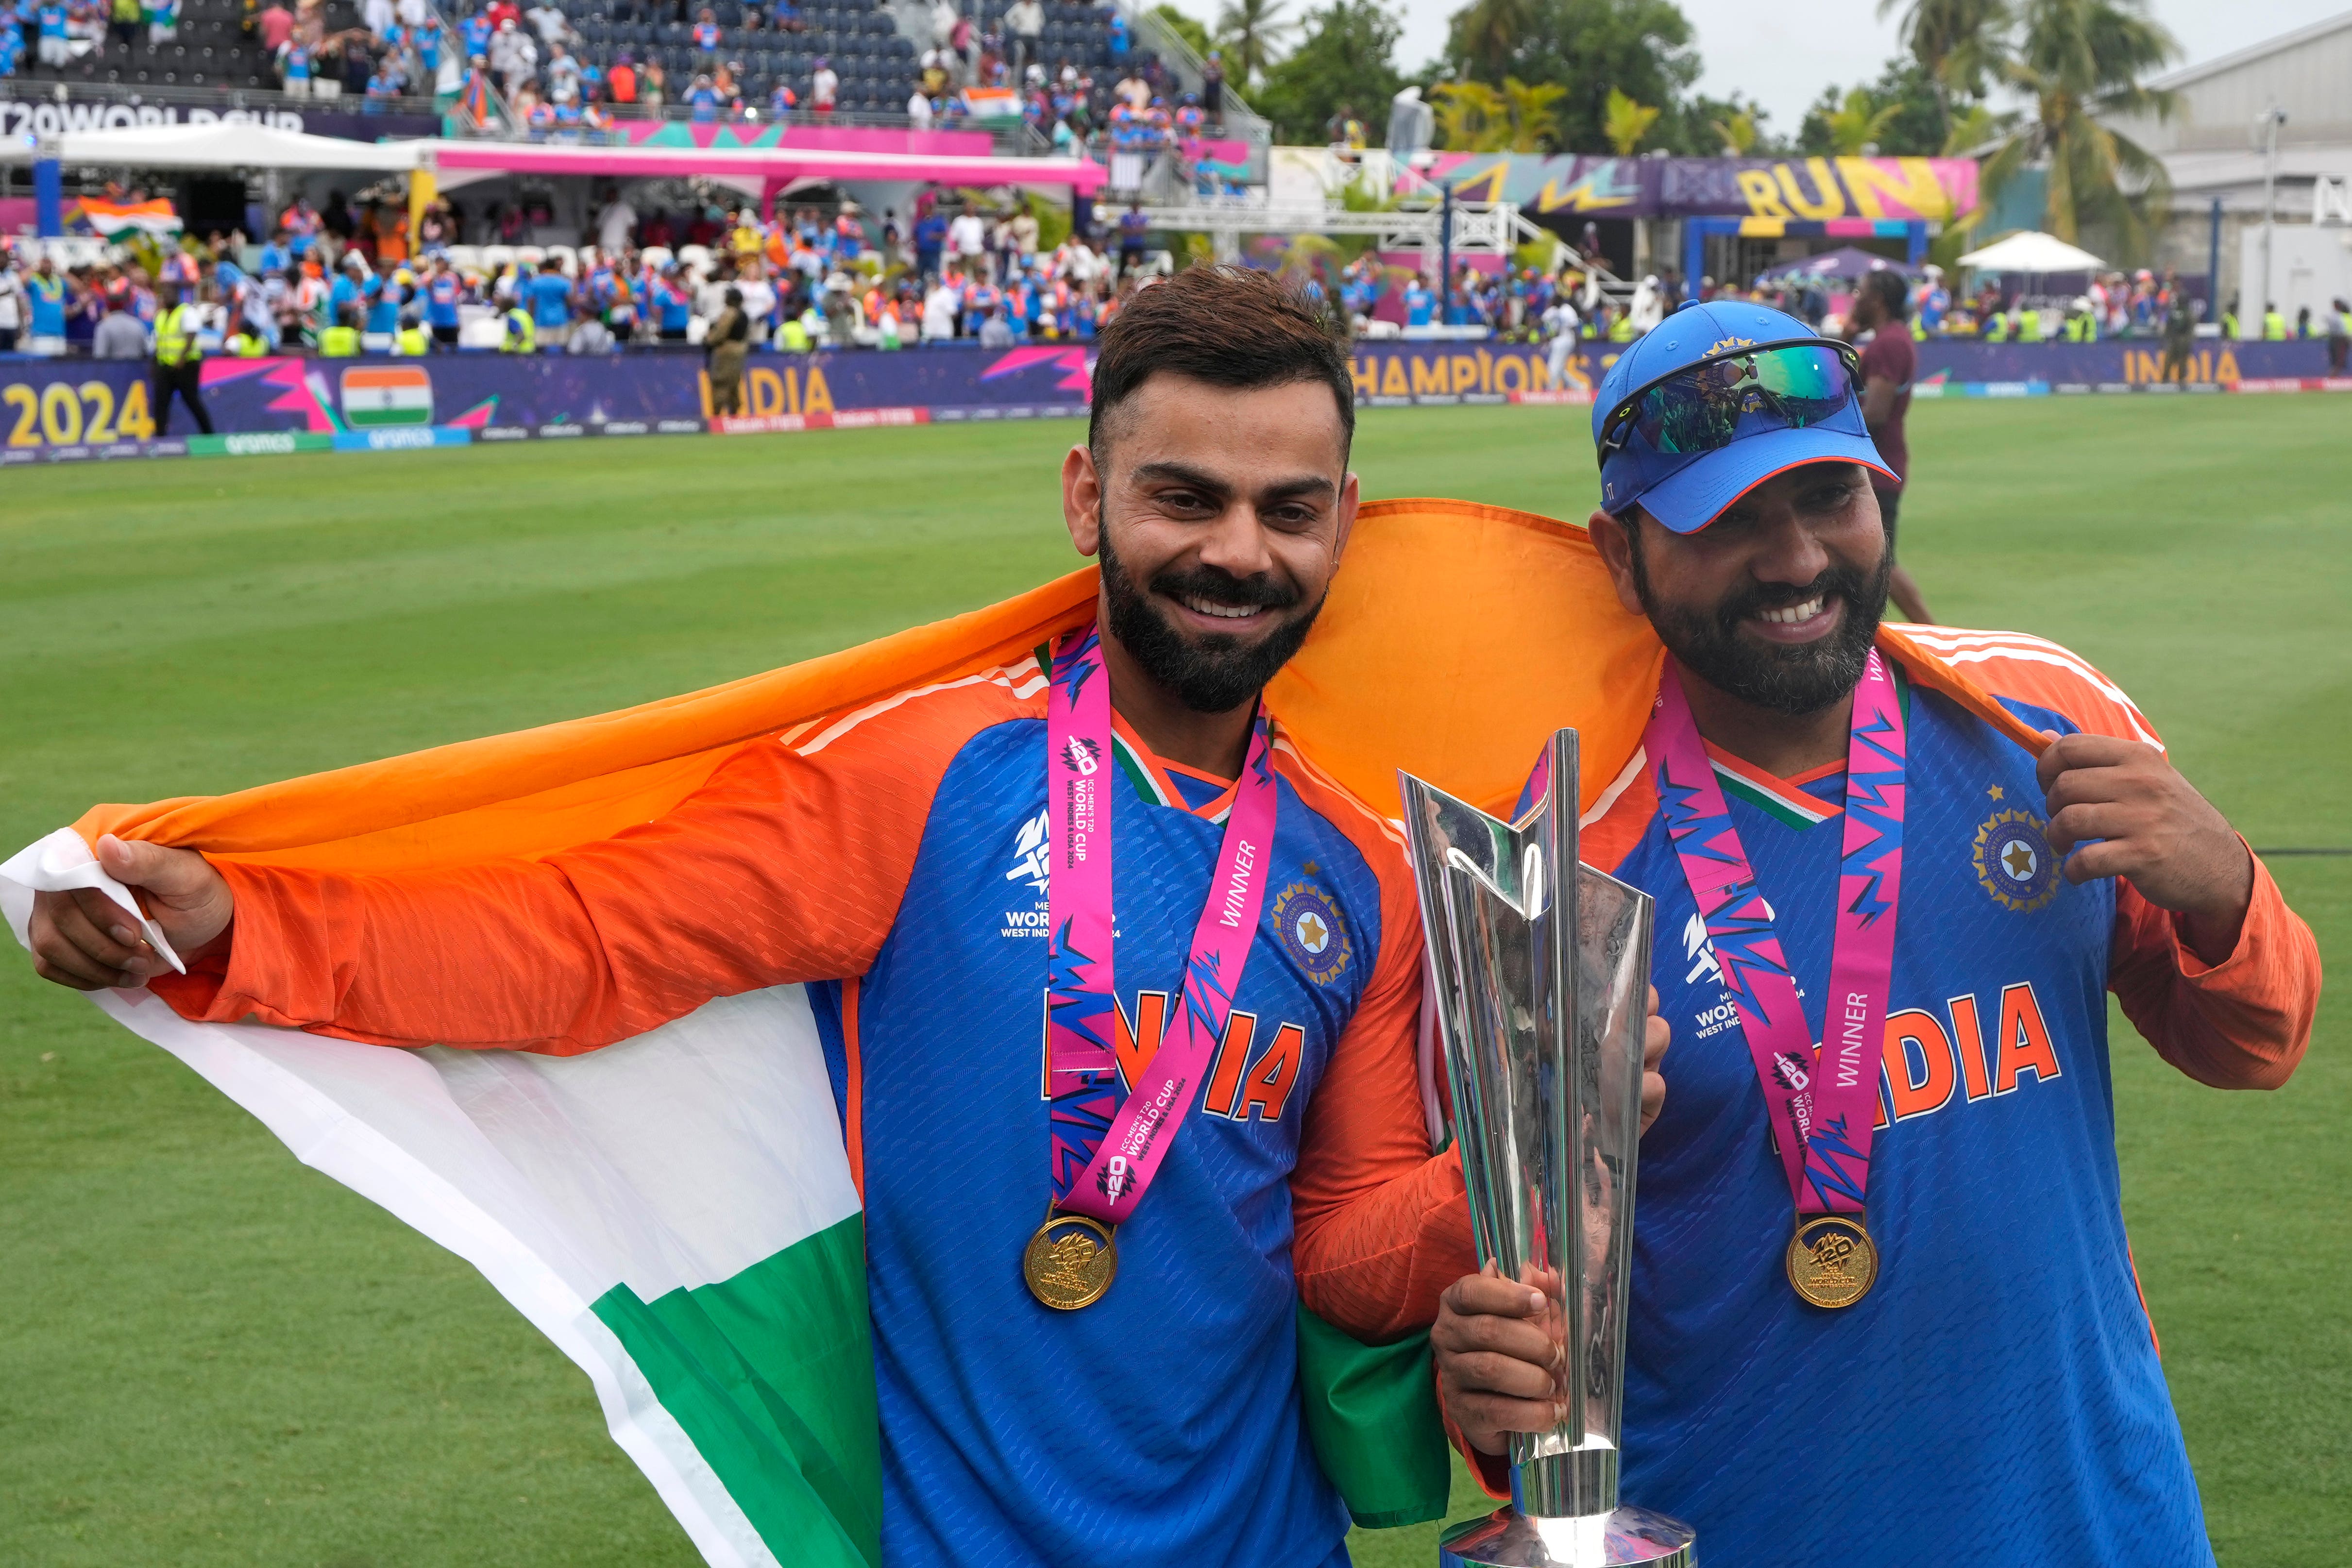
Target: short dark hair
<point x="1892" y="288"/>
<point x="1227" y="326"/>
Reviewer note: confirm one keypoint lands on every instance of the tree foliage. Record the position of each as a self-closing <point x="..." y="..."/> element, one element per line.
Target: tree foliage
<point x="1186" y="28"/>
<point x="1589" y="49"/>
<point x="1958" y="43"/>
<point x="1474" y="117"/>
<point x="2076" y="63"/>
<point x="1346" y="60"/>
<point x="1624" y="122"/>
<point x="1899" y="114"/>
<point x="1252" y="34"/>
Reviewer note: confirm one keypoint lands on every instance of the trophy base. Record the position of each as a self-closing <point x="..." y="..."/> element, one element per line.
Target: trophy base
<point x="1622" y="1538"/>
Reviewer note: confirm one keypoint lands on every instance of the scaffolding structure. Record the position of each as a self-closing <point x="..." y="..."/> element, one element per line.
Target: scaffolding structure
<point x="1479" y="228"/>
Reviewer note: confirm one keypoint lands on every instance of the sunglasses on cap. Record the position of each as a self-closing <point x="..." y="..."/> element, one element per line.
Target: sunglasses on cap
<point x="1737" y="391"/>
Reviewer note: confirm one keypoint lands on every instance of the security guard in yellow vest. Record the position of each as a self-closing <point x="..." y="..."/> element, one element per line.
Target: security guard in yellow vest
<point x="1997" y="330"/>
<point x="179" y="362"/>
<point x="2274" y="325"/>
<point x="341" y="341"/>
<point x="248" y="344"/>
<point x="412" y="339"/>
<point x="2029" y="325"/>
<point x="522" y="335"/>
<point x="1620" y="329"/>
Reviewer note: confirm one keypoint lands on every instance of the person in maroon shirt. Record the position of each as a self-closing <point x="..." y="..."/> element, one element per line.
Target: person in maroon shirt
<point x="1881" y="307"/>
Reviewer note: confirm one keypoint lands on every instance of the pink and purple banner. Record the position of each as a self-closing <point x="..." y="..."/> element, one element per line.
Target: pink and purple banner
<point x="51" y="409"/>
<point x="1851" y="191"/>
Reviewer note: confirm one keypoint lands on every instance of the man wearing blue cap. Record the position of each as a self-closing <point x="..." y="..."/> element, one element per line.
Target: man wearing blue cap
<point x="1884" y="1311"/>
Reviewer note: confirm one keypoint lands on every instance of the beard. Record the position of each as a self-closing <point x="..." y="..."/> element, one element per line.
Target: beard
<point x="1795" y="681"/>
<point x="1213" y="673"/>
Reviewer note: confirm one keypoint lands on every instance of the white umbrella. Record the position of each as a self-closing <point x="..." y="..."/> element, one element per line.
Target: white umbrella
<point x="2033" y="251"/>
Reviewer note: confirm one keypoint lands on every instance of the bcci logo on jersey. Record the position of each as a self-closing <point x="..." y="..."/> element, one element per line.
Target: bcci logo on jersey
<point x="2013" y="862"/>
<point x="1312" y="932"/>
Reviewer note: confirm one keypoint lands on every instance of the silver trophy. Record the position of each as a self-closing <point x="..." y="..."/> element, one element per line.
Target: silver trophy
<point x="1542" y="969"/>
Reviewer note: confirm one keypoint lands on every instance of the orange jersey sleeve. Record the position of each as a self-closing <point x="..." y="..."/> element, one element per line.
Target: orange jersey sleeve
<point x="1381" y="1226"/>
<point x="787" y="865"/>
<point x="2242" y="1023"/>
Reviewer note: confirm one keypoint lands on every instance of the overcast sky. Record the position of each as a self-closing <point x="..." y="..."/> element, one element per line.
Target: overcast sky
<point x="1782" y="55"/>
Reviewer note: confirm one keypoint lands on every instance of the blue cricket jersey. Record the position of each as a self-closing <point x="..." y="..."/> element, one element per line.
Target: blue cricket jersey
<point x="1161" y="1425"/>
<point x="1996" y="1398"/>
<point x="893" y="860"/>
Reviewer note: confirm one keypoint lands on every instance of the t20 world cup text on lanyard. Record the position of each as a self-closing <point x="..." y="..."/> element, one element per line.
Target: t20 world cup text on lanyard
<point x="1104" y="1152"/>
<point x="1823" y="1109"/>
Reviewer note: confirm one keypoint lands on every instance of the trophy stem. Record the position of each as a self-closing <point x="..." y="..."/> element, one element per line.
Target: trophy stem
<point x="1579" y="1484"/>
<point x="1541" y="967"/>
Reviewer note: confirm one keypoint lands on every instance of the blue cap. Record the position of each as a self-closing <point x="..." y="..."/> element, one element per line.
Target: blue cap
<point x="1691" y="497"/>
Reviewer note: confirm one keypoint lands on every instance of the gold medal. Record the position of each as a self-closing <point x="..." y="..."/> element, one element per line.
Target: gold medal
<point x="1070" y="1262"/>
<point x="1832" y="1260"/>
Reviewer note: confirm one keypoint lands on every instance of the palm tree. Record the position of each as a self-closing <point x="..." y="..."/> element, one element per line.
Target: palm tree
<point x="1251" y="33"/>
<point x="1737" y="133"/>
<point x="1855" y="129"/>
<point x="1487" y="33"/>
<point x="1960" y="44"/>
<point x="1532" y="110"/>
<point x="2077" y="63"/>
<point x="1471" y="117"/>
<point x="1625" y="122"/>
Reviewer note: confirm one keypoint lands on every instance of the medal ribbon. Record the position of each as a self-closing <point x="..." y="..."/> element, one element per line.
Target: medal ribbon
<point x="1823" y="1109"/>
<point x="1105" y="1152"/>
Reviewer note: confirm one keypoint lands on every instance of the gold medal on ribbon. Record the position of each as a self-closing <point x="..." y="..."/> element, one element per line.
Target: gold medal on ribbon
<point x="1832" y="1260"/>
<point x="1070" y="1262"/>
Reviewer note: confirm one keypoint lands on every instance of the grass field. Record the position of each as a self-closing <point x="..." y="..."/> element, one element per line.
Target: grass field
<point x="217" y="1357"/>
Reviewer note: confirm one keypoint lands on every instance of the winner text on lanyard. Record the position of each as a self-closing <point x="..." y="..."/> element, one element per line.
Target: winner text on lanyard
<point x="1104" y="1152"/>
<point x="1823" y="1108"/>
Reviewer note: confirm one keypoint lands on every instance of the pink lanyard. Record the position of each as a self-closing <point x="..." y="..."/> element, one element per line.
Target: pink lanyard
<point x="1823" y="1110"/>
<point x="1106" y="1152"/>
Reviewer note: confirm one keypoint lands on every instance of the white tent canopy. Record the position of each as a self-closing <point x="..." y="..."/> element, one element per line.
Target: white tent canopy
<point x="2034" y="251"/>
<point x="224" y="144"/>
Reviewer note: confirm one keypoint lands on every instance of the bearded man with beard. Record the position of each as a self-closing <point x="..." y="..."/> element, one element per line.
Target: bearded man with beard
<point x="1097" y="1160"/>
<point x="1883" y="1307"/>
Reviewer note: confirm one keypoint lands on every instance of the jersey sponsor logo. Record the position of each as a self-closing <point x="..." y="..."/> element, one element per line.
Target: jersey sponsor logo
<point x="2013" y="862"/>
<point x="1313" y="934"/>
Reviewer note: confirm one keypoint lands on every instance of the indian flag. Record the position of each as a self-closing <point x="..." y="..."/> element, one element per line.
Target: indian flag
<point x="378" y="395"/>
<point x="677" y="1211"/>
<point x="122" y="220"/>
<point x="991" y="103"/>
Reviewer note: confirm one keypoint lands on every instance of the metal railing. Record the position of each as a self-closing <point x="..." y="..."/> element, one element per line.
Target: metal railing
<point x="1242" y="122"/>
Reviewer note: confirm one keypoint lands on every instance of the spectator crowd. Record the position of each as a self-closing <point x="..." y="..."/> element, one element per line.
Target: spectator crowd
<point x="805" y="277"/>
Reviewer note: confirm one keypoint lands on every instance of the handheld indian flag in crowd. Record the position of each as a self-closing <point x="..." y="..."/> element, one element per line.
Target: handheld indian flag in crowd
<point x="677" y="1211"/>
<point x="122" y="220"/>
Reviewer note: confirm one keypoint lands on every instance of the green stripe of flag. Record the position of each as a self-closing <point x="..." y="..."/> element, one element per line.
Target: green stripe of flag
<point x="771" y="1375"/>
